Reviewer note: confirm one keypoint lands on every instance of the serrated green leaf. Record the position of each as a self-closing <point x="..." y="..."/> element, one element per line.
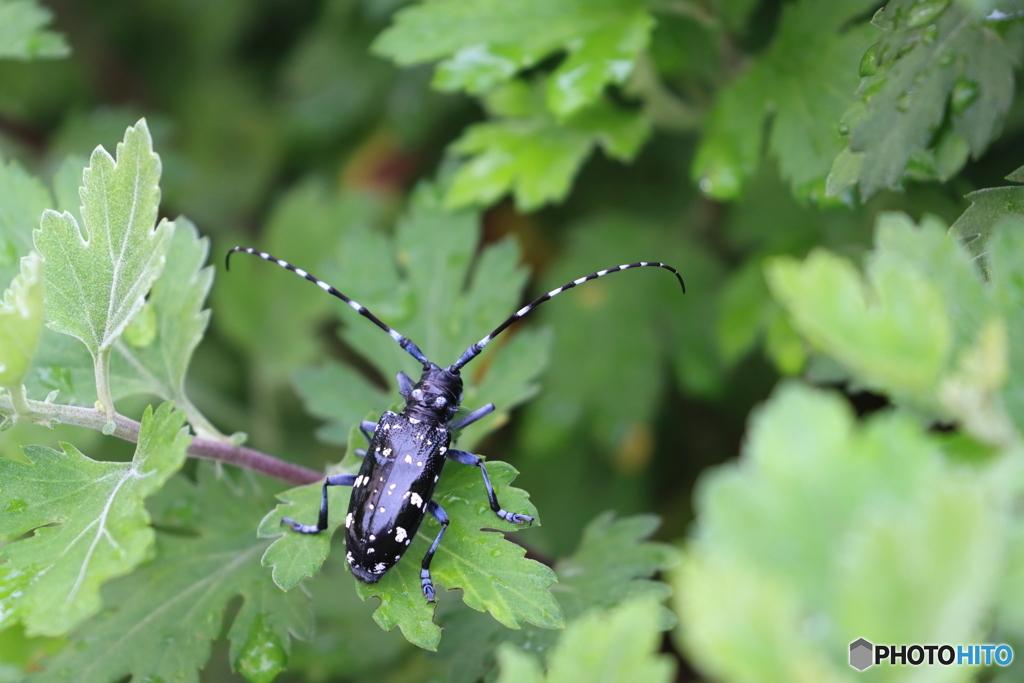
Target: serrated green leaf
<point x="957" y="61"/>
<point x="491" y="572"/>
<point x="894" y="332"/>
<point x="618" y="646"/>
<point x="614" y="563"/>
<point x="21" y="321"/>
<point x="829" y="530"/>
<point x="162" y="618"/>
<point x="531" y="154"/>
<point x="23" y="35"/>
<point x="487" y="43"/>
<point x="96" y="286"/>
<point x="178" y="323"/>
<point x="51" y="580"/>
<point x="435" y="303"/>
<point x="988" y="207"/>
<point x="805" y="80"/>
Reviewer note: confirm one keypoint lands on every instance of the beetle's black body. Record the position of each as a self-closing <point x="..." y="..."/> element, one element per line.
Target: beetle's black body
<point x="394" y="488"/>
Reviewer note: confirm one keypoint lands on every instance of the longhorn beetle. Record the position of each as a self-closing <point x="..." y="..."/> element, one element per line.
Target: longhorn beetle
<point x="394" y="487"/>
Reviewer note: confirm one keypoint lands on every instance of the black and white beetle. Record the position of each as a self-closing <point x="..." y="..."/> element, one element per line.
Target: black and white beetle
<point x="394" y="488"/>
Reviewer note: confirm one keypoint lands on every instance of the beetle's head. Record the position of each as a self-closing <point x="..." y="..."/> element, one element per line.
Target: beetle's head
<point x="439" y="392"/>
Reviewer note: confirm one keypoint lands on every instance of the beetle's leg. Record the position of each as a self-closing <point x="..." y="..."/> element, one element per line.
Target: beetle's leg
<point x="336" y="480"/>
<point x="368" y="429"/>
<point x="440" y="515"/>
<point x="475" y="460"/>
<point x="473" y="417"/>
<point x="404" y="385"/>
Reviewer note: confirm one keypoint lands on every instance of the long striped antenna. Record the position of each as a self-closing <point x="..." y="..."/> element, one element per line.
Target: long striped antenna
<point x="474" y="350"/>
<point x="406" y="344"/>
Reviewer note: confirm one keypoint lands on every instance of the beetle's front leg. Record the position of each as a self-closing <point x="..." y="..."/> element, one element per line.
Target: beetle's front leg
<point x="336" y="480"/>
<point x="475" y="460"/>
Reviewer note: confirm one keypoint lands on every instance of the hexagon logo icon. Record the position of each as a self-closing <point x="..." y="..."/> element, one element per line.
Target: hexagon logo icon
<point x="861" y="654"/>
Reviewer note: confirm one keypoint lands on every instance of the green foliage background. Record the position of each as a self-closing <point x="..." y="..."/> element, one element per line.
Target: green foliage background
<point x="821" y="441"/>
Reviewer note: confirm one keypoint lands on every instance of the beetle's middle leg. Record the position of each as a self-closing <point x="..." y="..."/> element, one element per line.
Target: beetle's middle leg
<point x="321" y="524"/>
<point x="475" y="460"/>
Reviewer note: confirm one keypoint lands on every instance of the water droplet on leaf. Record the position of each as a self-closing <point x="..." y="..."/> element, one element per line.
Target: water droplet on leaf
<point x="869" y="62"/>
<point x="925" y="11"/>
<point x="263" y="656"/>
<point x="905" y="101"/>
<point x="16" y="506"/>
<point x="965" y="92"/>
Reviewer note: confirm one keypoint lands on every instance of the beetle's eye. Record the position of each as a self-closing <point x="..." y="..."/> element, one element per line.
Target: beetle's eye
<point x="440" y="401"/>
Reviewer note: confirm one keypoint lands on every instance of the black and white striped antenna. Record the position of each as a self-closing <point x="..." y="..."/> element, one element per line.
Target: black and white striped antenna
<point x="405" y="343"/>
<point x="474" y="350"/>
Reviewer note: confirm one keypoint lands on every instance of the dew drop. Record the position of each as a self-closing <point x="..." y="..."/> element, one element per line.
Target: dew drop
<point x="844" y="129"/>
<point x="905" y="101"/>
<point x="869" y="62"/>
<point x="965" y="93"/>
<point x="925" y="11"/>
<point x="929" y="34"/>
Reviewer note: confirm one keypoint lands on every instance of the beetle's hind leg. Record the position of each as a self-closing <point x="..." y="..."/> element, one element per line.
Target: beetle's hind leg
<point x="476" y="461"/>
<point x="321" y="524"/>
<point x="425" y="583"/>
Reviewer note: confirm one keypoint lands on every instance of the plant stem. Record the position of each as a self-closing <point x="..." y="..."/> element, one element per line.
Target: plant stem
<point x="128" y="429"/>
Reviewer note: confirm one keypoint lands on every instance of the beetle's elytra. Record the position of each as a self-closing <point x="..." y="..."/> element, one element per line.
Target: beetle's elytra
<point x="394" y="488"/>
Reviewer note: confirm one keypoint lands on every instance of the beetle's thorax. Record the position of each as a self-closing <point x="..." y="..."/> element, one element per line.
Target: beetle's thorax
<point x="436" y="396"/>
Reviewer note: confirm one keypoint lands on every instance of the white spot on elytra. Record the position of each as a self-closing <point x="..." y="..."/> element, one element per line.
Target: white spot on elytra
<point x="348" y="556"/>
<point x="400" y="534"/>
<point x="372" y="537"/>
<point x="370" y="550"/>
<point x="414" y="420"/>
<point x="382" y="509"/>
<point x="435" y="478"/>
<point x="378" y="568"/>
<point x="408" y="541"/>
<point x="408" y="459"/>
<point x="369" y="505"/>
<point x="392" y="486"/>
<point x="416" y="500"/>
<point x="387" y="452"/>
<point x="443" y="449"/>
<point x="419" y="463"/>
<point x="405" y="495"/>
<point x="348" y="521"/>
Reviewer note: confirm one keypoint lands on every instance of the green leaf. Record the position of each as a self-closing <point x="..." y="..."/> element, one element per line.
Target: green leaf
<point x="1006" y="253"/>
<point x="95" y="287"/>
<point x="828" y="530"/>
<point x="956" y="64"/>
<point x="615" y="563"/>
<point x="531" y="154"/>
<point x="805" y="81"/>
<point x="893" y="332"/>
<point x="444" y="300"/>
<point x="487" y="43"/>
<point x="23" y="35"/>
<point x="161" y="619"/>
<point x="619" y="646"/>
<point x="21" y="321"/>
<point x="988" y="207"/>
<point x="51" y="580"/>
<point x="178" y="323"/>
<point x="491" y="572"/>
<point x="24" y="200"/>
